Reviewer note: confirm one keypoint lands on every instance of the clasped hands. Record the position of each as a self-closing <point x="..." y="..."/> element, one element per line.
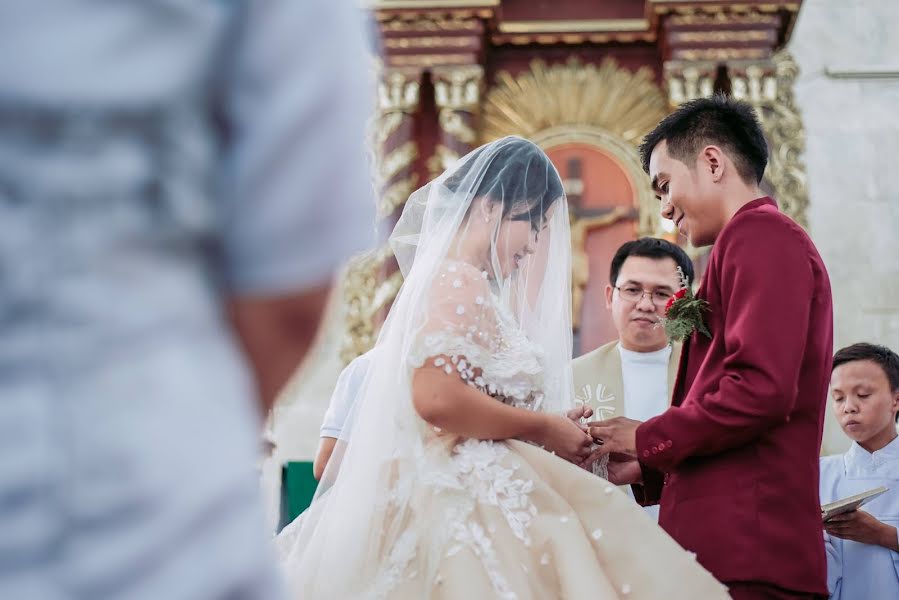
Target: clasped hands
<point x="614" y="437"/>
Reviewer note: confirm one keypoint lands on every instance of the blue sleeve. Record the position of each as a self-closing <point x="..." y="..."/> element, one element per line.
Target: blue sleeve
<point x="834" y="548"/>
<point x="895" y="556"/>
<point x="831" y="468"/>
<point x="295" y="186"/>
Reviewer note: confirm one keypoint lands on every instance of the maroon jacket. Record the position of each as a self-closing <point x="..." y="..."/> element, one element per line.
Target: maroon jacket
<point x="734" y="461"/>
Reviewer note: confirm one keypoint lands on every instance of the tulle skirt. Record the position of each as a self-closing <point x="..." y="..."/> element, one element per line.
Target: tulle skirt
<point x="510" y="521"/>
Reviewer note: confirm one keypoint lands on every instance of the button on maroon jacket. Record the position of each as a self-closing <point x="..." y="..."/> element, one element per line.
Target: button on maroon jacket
<point x="734" y="461"/>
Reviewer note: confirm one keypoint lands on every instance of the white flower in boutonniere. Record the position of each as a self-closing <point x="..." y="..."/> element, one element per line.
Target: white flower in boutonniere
<point x="683" y="313"/>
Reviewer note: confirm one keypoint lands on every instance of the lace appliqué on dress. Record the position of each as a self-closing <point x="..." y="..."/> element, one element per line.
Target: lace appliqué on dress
<point x="473" y="536"/>
<point x="469" y="333"/>
<point x="478" y="466"/>
<point x="401" y="556"/>
<point x="510" y="376"/>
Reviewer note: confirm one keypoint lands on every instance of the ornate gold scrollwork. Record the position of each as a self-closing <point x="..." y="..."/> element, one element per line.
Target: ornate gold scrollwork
<point x="624" y="103"/>
<point x="384" y="127"/>
<point x="432" y="23"/>
<point x="396" y="195"/>
<point x="457" y="93"/>
<point x="580" y="31"/>
<point x="454" y="124"/>
<point x="442" y="159"/>
<point x="399" y="94"/>
<point x="723" y="18"/>
<point x="688" y="81"/>
<point x="786" y="135"/>
<point x="458" y="88"/>
<point x="756" y="84"/>
<point x="429" y="42"/>
<point x="395" y="162"/>
<point x="727" y="37"/>
<point x="606" y="106"/>
<point x="364" y="294"/>
<point x="427" y="61"/>
<point x="736" y="9"/>
<point x="398" y="90"/>
<point x="722" y="54"/>
<point x="360" y="288"/>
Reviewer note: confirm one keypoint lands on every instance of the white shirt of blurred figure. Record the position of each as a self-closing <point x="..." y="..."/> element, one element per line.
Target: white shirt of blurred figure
<point x="158" y="161"/>
<point x="348" y="385"/>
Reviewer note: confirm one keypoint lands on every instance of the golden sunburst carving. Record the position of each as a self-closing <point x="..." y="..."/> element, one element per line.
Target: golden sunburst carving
<point x="624" y="103"/>
<point x="607" y="107"/>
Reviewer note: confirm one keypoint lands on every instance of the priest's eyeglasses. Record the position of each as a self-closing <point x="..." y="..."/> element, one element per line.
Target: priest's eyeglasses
<point x="633" y="293"/>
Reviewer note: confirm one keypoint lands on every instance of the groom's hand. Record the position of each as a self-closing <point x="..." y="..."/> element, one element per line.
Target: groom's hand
<point x="618" y="435"/>
<point x="624" y="472"/>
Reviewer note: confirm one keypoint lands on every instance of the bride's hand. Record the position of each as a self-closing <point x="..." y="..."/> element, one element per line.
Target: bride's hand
<point x="580" y="413"/>
<point x="565" y="438"/>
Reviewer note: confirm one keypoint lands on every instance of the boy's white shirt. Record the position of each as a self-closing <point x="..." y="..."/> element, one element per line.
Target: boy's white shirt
<point x="857" y="570"/>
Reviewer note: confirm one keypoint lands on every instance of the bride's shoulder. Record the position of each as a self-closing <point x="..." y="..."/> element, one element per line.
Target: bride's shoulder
<point x="464" y="269"/>
<point x="462" y="291"/>
<point x="460" y="278"/>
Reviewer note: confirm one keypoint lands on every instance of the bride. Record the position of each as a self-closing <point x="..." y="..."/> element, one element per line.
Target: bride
<point x="453" y="477"/>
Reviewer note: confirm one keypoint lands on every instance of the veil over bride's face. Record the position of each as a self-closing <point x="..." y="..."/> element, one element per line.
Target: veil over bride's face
<point x="513" y="190"/>
<point x="500" y="209"/>
<point x="516" y="237"/>
<point x="517" y="240"/>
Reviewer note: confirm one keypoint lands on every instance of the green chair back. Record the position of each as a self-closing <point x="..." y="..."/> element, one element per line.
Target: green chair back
<point x="297" y="489"/>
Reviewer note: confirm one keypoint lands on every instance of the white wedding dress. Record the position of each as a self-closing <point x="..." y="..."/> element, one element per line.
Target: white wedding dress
<point x="505" y="519"/>
<point x="408" y="511"/>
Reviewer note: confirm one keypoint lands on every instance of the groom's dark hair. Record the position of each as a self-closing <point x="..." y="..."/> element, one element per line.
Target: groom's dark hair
<point x="722" y="121"/>
<point x="654" y="248"/>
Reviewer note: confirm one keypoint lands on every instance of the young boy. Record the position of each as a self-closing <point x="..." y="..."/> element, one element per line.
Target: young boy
<point x="863" y="546"/>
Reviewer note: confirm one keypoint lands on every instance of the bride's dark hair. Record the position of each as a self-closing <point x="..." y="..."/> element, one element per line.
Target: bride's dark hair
<point x="519" y="177"/>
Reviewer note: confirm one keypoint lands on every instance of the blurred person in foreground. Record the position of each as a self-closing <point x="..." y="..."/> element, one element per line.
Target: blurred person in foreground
<point x="178" y="183"/>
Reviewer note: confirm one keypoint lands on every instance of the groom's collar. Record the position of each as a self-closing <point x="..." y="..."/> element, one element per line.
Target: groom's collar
<point x="757" y="203"/>
<point x="749" y="206"/>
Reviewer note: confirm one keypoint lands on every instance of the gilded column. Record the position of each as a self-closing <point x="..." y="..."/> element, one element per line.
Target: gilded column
<point x="370" y="281"/>
<point x="768" y="86"/>
<point x="688" y="80"/>
<point x="457" y="93"/>
<point x="394" y="148"/>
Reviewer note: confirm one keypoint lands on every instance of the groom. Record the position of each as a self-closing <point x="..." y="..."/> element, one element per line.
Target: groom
<point x="734" y="461"/>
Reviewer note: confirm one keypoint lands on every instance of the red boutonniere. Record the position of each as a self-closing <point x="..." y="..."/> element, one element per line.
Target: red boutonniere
<point x="683" y="313"/>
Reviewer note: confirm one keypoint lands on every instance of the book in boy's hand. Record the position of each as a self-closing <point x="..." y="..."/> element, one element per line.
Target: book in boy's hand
<point x="839" y="507"/>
